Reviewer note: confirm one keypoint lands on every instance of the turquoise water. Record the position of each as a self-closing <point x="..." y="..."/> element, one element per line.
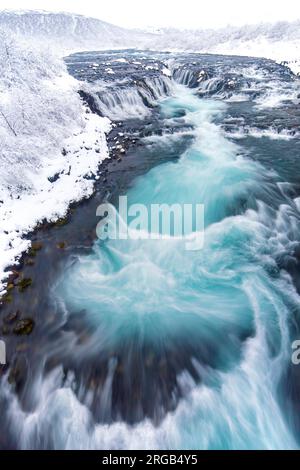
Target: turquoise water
<point x="223" y="309"/>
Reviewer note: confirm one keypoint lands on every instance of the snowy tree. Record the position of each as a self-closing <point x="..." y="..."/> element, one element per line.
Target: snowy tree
<point x="35" y="115"/>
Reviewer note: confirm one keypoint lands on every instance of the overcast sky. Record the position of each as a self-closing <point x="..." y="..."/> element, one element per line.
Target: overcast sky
<point x="176" y="13"/>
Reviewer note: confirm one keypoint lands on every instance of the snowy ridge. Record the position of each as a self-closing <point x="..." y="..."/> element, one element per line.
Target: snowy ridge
<point x="66" y="31"/>
<point x="69" y="32"/>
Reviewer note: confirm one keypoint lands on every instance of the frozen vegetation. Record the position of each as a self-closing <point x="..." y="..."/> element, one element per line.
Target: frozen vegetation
<point x="45" y="131"/>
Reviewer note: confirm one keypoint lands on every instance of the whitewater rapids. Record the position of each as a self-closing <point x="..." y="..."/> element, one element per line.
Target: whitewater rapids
<point x="216" y="321"/>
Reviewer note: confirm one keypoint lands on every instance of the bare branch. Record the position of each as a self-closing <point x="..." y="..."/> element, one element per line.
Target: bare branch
<point x="7" y="122"/>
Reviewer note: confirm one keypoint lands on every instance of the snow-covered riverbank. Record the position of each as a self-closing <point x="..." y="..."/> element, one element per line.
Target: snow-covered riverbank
<point x="50" y="144"/>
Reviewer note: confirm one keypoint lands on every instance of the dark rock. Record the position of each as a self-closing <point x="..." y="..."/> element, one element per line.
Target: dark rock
<point x="5" y="330"/>
<point x="13" y="276"/>
<point x="29" y="262"/>
<point x="35" y="247"/>
<point x="54" y="178"/>
<point x="61" y="245"/>
<point x="12" y="317"/>
<point x="61" y="222"/>
<point x="24" y="283"/>
<point x="17" y="372"/>
<point x="7" y="298"/>
<point x="24" y="327"/>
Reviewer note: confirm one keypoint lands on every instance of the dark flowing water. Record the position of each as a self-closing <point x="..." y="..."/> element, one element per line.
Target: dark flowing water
<point x="141" y="343"/>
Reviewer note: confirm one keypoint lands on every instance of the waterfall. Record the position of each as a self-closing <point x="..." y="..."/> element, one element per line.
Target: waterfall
<point x="133" y="100"/>
<point x="159" y="347"/>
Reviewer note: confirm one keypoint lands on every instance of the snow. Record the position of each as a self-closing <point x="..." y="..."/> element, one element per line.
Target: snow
<point x="42" y="107"/>
<point x="67" y="33"/>
<point x="122" y="60"/>
<point x="166" y="72"/>
<point x="41" y="112"/>
<point x="282" y="51"/>
<point x="50" y="201"/>
<point x="294" y="65"/>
